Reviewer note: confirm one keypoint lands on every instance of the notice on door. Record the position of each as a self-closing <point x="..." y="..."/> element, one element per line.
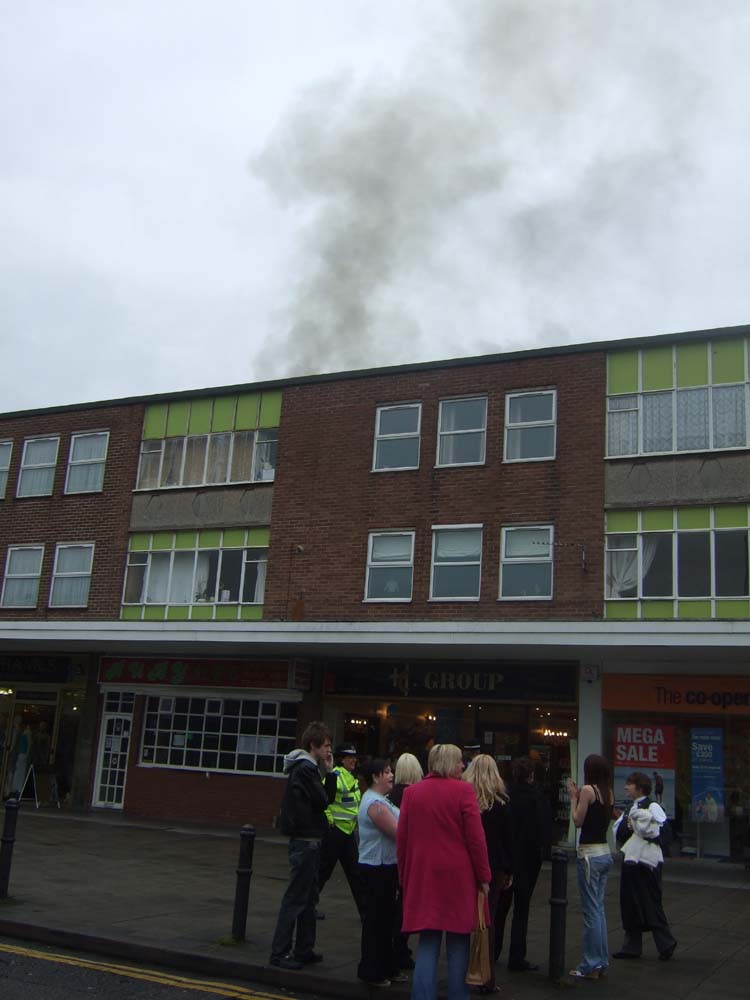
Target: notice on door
<point x="649" y="749"/>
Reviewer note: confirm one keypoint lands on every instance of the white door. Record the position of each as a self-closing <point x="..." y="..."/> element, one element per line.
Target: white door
<point x="114" y="744"/>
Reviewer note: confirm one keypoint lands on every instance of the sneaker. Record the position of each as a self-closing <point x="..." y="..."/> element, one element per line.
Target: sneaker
<point x="286" y="962"/>
<point x="399" y="977"/>
<point x="577" y="974"/>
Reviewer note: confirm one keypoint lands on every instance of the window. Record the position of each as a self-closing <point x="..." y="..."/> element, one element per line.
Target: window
<point x="456" y="563"/>
<point x="86" y="464"/>
<point x="71" y="576"/>
<point x="461" y="431"/>
<point x="202" y="576"/>
<point x="530" y="420"/>
<point x="218" y="734"/>
<point x="6" y="447"/>
<point x="526" y="563"/>
<point x="390" y="564"/>
<point x="397" y="437"/>
<point x="38" y="467"/>
<point x="23" y="567"/>
<point x="208" y="459"/>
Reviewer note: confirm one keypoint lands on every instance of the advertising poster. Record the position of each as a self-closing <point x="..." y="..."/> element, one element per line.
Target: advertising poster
<point x="649" y="749"/>
<point x="707" y="774"/>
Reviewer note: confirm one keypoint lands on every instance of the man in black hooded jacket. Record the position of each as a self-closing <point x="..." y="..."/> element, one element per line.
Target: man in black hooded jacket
<point x="303" y="819"/>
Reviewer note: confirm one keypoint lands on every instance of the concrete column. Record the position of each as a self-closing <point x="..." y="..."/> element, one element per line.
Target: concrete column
<point x="589" y="713"/>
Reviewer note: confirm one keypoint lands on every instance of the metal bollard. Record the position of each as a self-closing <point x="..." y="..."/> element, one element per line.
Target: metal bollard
<point x="242" y="890"/>
<point x="557" y="916"/>
<point x="7" y="841"/>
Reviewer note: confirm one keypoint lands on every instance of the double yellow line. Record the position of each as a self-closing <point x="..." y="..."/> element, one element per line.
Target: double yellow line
<point x="164" y="978"/>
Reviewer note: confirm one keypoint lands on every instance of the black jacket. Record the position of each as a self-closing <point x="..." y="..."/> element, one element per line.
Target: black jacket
<point x="498" y="832"/>
<point x="306" y="797"/>
<point x="531" y="824"/>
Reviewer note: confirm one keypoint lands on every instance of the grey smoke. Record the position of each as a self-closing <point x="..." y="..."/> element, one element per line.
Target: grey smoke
<point x="530" y="146"/>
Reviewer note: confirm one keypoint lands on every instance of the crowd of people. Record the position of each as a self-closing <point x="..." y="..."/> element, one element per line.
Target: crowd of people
<point x="424" y="854"/>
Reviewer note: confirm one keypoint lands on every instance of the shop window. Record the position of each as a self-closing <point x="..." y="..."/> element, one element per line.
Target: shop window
<point x="38" y="462"/>
<point x="23" y="567"/>
<point x="208" y="459"/>
<point x="461" y="431"/>
<point x="6" y="449"/>
<point x="526" y="563"/>
<point x="71" y="576"/>
<point x="530" y="421"/>
<point x="456" y="563"/>
<point x="390" y="565"/>
<point x="397" y="437"/>
<point x="88" y="453"/>
<point x="218" y="734"/>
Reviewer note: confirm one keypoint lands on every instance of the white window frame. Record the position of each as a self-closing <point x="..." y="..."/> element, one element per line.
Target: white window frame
<point x="399" y="563"/>
<point x="6" y="471"/>
<point x="86" y="461"/>
<point x="62" y="576"/>
<point x="456" y="527"/>
<point x="46" y="465"/>
<point x="147" y="554"/>
<point x="22" y="576"/>
<point x="475" y="430"/>
<point x="158" y="445"/>
<point x="526" y="424"/>
<point x="395" y="437"/>
<point x="525" y="560"/>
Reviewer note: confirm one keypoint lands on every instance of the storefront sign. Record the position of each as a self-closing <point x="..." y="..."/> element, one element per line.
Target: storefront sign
<point x="685" y="695"/>
<point x="35" y="669"/>
<point x="707" y="774"/>
<point x="194" y="673"/>
<point x="482" y="681"/>
<point x="650" y="749"/>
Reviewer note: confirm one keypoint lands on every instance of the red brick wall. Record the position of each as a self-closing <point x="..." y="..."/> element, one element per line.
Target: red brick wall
<point x="101" y="518"/>
<point x="327" y="499"/>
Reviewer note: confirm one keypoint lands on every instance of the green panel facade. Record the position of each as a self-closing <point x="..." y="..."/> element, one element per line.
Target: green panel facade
<point x="622" y="372"/>
<point x="658" y="369"/>
<point x="728" y="361"/>
<point x="692" y="365"/>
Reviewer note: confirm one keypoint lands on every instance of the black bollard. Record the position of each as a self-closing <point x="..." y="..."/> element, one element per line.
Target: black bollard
<point x="7" y="841"/>
<point x="557" y="915"/>
<point x="242" y="891"/>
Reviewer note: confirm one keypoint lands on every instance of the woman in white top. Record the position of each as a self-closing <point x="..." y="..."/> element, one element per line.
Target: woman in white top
<point x="377" y="820"/>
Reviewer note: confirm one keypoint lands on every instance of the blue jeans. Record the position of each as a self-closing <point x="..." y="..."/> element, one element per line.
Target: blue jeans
<point x="425" y="982"/>
<point x="297" y="911"/>
<point x="592" y="886"/>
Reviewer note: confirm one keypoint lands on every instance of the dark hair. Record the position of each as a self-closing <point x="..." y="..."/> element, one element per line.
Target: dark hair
<point x="641" y="781"/>
<point x="316" y="734"/>
<point x="522" y="770"/>
<point x="596" y="771"/>
<point x="372" y="768"/>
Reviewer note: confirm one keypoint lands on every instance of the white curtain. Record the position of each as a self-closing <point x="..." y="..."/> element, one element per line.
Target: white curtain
<point x="729" y="416"/>
<point x="195" y="460"/>
<point x="217" y="470"/>
<point x="158" y="578"/>
<point x="530" y="542"/>
<point x="21" y="593"/>
<point x="623" y="425"/>
<point x="181" y="583"/>
<point x="242" y="456"/>
<point x="692" y="419"/>
<point x="463" y="545"/>
<point x="70" y="591"/>
<point x="391" y="548"/>
<point x="657" y="421"/>
<point x="171" y="469"/>
<point x="622" y="567"/>
<point x="36" y="482"/>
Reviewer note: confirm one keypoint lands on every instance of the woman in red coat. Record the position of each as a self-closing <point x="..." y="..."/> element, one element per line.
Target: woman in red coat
<point x="442" y="864"/>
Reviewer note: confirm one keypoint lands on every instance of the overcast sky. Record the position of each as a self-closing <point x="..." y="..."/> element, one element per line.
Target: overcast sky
<point x="195" y="194"/>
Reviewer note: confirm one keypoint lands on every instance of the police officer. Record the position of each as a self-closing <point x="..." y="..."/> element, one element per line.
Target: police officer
<point x="340" y="842"/>
<point x="472" y="749"/>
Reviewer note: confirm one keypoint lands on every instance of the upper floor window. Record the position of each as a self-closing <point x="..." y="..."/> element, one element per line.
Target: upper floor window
<point x="88" y="453"/>
<point x="202" y="576"/>
<point x="208" y="459"/>
<point x="71" y="576"/>
<point x="456" y="563"/>
<point x="390" y="565"/>
<point x="23" y="567"/>
<point x="6" y="448"/>
<point x="689" y="397"/>
<point x="530" y="420"/>
<point x="38" y="463"/>
<point x="461" y="431"/>
<point x="526" y="563"/>
<point x="397" y="437"/>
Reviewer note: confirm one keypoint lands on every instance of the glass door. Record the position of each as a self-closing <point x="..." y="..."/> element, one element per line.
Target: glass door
<point x="114" y="745"/>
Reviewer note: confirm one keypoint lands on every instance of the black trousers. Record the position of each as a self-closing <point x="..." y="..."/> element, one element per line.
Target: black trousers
<point x="498" y="904"/>
<point x="641" y="908"/>
<point x="520" y="895"/>
<point x="342" y="847"/>
<point x="378" y="960"/>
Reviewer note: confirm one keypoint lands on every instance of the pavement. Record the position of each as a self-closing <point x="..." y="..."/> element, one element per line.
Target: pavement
<point x="158" y="893"/>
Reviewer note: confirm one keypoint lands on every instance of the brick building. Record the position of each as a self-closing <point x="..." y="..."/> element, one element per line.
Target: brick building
<point x="539" y="550"/>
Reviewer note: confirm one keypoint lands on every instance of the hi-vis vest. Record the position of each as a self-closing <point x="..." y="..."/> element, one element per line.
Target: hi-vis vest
<point x="342" y="812"/>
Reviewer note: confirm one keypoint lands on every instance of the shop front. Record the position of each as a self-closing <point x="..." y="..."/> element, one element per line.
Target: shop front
<point x="510" y="708"/>
<point x="691" y="735"/>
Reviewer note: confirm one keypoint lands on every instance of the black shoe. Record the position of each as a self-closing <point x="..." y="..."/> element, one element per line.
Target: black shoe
<point x="523" y="966"/>
<point x="625" y="954"/>
<point x="310" y="959"/>
<point x="286" y="962"/>
<point x="664" y="956"/>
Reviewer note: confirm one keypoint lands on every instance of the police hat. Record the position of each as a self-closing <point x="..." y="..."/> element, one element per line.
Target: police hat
<point x="473" y="745"/>
<point x="346" y="750"/>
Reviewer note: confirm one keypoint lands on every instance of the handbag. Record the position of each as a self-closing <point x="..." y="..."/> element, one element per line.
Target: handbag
<point x="479" y="971"/>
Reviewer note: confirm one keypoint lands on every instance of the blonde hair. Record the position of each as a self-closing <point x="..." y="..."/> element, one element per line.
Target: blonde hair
<point x="483" y="774"/>
<point x="443" y="759"/>
<point x="408" y="770"/>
